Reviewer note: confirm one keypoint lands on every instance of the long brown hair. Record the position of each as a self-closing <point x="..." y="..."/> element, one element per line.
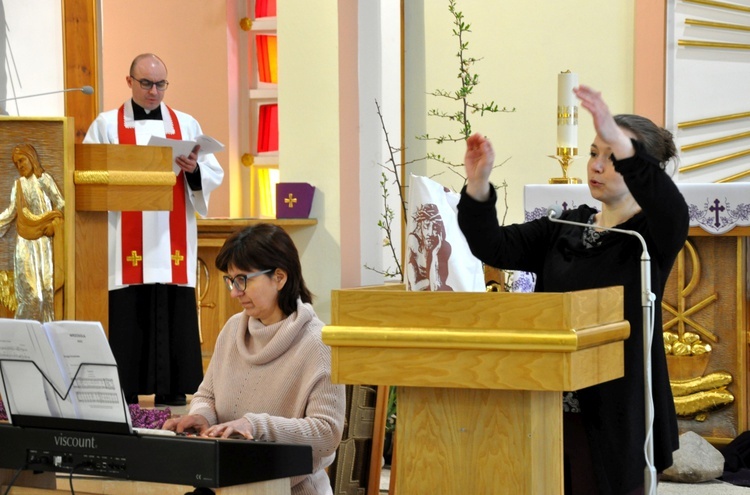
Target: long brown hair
<point x="29" y="152"/>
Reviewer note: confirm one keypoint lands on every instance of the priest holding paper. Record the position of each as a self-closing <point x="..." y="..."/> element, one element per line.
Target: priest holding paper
<point x="153" y="319"/>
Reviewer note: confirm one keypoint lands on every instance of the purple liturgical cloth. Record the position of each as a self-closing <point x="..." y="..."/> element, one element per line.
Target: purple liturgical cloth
<point x="294" y="199"/>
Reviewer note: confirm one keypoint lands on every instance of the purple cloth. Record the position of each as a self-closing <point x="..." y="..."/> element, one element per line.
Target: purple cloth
<point x="294" y="199"/>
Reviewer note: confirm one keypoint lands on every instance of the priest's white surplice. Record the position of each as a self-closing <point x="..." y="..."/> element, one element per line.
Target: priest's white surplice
<point x="156" y="232"/>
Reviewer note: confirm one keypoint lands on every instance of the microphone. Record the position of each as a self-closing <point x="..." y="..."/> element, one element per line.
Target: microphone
<point x="554" y="212"/>
<point x="87" y="90"/>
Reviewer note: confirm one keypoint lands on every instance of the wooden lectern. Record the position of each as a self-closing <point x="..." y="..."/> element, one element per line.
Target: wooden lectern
<point x="109" y="177"/>
<point x="479" y="378"/>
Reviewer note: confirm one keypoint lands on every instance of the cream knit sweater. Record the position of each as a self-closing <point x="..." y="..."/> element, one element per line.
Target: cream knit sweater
<point x="279" y="378"/>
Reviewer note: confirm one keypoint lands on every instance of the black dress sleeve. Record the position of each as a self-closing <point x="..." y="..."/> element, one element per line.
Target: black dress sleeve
<point x="660" y="200"/>
<point x="512" y="247"/>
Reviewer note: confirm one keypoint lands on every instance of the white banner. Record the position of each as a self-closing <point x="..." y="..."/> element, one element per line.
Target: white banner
<point x="437" y="254"/>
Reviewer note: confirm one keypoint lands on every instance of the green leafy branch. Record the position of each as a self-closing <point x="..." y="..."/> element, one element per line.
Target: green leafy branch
<point x="384" y="223"/>
<point x="469" y="81"/>
<point x="467" y="109"/>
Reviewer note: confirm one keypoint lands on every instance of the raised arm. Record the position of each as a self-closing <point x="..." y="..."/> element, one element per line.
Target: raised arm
<point x="604" y="123"/>
<point x="478" y="162"/>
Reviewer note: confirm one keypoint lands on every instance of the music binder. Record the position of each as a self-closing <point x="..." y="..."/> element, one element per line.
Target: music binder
<point x="50" y="381"/>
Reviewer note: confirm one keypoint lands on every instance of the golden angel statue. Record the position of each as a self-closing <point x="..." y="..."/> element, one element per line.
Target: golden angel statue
<point x="36" y="207"/>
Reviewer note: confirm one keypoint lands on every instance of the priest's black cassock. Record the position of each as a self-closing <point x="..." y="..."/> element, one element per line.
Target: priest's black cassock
<point x="153" y="320"/>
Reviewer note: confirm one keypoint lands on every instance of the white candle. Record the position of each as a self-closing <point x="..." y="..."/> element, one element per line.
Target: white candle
<point x="567" y="111"/>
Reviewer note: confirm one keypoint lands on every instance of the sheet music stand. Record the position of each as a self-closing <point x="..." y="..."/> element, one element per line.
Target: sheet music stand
<point x="64" y="423"/>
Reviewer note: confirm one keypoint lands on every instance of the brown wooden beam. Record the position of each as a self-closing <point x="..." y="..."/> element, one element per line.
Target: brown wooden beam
<point x="80" y="50"/>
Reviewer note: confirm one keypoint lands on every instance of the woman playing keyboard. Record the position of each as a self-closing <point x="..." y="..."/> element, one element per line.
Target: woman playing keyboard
<point x="270" y="375"/>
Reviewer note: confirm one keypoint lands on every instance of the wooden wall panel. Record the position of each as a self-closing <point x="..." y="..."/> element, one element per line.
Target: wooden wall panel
<point x="706" y="296"/>
<point x="80" y="49"/>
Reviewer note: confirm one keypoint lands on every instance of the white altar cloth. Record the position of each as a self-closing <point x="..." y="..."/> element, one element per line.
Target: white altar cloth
<point x="716" y="208"/>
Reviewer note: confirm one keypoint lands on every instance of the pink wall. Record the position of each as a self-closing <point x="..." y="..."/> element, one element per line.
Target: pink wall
<point x="191" y="37"/>
<point x="349" y="145"/>
<point x="650" y="49"/>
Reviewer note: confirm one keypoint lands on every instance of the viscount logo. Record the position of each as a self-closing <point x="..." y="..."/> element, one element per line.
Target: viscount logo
<point x="80" y="442"/>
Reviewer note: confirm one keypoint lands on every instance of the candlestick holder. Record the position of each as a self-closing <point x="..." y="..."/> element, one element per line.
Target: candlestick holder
<point x="565" y="157"/>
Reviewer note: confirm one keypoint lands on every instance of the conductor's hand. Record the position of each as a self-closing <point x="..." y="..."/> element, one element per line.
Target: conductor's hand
<point x="478" y="161"/>
<point x="192" y="422"/>
<point x="189" y="163"/>
<point x="605" y="125"/>
<point x="239" y="427"/>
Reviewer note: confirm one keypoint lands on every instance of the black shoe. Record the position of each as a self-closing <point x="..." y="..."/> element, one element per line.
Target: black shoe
<point x="170" y="400"/>
<point x="131" y="399"/>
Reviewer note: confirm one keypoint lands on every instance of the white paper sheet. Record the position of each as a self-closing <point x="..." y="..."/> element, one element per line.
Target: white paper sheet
<point x="57" y="350"/>
<point x="207" y="144"/>
<point x="95" y="393"/>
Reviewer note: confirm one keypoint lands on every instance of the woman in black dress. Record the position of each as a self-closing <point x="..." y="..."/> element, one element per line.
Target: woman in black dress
<point x="604" y="425"/>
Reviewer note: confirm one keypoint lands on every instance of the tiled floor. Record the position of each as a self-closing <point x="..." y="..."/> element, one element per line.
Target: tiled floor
<point x="714" y="487"/>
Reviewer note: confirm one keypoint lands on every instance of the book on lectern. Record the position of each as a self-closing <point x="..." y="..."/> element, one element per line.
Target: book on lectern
<point x="59" y="369"/>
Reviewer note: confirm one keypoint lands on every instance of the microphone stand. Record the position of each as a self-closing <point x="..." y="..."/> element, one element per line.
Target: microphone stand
<point x="647" y="303"/>
<point x="87" y="90"/>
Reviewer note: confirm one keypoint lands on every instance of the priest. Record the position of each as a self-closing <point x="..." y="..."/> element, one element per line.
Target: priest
<point x="153" y="317"/>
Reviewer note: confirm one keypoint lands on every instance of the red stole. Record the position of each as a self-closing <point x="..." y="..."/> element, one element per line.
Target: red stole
<point x="132" y="221"/>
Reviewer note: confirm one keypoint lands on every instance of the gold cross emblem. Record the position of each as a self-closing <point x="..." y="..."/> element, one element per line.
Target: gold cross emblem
<point x="682" y="312"/>
<point x="177" y="257"/>
<point x="290" y="200"/>
<point x="134" y="258"/>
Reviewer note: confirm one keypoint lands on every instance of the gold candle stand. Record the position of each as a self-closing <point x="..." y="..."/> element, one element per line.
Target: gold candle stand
<point x="565" y="157"/>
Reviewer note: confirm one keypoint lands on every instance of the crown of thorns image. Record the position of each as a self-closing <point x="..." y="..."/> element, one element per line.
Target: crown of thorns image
<point x="428" y="211"/>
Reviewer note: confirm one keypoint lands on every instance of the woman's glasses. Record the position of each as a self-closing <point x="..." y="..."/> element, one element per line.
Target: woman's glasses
<point x="239" y="282"/>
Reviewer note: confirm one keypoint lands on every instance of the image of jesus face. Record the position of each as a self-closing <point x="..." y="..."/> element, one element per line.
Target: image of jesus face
<point x="23" y="164"/>
<point x="430" y="233"/>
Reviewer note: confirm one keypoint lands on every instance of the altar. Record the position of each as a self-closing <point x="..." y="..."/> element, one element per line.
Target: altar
<point x="705" y="305"/>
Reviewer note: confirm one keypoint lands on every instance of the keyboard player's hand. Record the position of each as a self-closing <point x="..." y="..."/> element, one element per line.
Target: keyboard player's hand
<point x="239" y="428"/>
<point x="190" y="423"/>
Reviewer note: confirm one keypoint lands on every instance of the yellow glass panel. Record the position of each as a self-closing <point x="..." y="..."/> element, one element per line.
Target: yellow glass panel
<point x="263" y="197"/>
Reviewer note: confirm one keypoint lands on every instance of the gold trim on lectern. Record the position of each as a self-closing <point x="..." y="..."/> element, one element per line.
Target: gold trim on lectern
<point x="125" y="178"/>
<point x="121" y="177"/>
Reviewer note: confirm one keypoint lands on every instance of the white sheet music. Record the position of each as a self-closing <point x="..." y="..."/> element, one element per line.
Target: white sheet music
<point x="59" y="349"/>
<point x="95" y="393"/>
<point x="25" y="389"/>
